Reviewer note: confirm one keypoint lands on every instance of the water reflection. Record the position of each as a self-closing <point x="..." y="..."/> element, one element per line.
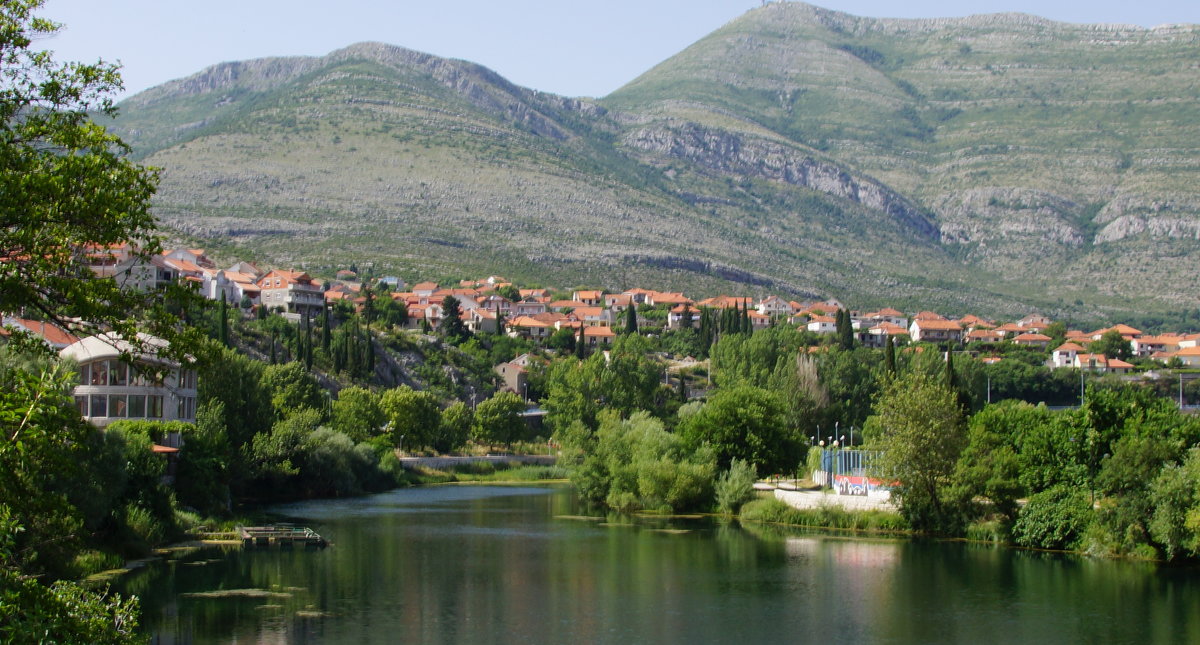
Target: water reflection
<point x="527" y="565"/>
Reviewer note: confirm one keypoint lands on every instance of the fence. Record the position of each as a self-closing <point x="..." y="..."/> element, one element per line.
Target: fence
<point x="848" y="471"/>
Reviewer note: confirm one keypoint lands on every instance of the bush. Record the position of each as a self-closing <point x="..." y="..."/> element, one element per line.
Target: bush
<point x="735" y="486"/>
<point x="1054" y="519"/>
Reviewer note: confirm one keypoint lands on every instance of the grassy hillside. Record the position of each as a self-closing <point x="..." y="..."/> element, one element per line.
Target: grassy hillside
<point x="995" y="163"/>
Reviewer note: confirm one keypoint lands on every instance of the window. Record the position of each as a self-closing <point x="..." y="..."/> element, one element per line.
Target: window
<point x="81" y="403"/>
<point x="118" y="373"/>
<point x="154" y="406"/>
<point x="99" y="374"/>
<point x="118" y="405"/>
<point x="99" y="406"/>
<point x="85" y="374"/>
<point x="137" y="406"/>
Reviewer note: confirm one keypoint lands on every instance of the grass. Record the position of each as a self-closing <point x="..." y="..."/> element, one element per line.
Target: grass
<point x="773" y="511"/>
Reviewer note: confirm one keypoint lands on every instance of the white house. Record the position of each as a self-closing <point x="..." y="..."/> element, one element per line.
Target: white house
<point x="110" y="389"/>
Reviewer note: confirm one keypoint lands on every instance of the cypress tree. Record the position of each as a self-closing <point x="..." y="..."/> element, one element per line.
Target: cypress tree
<point x="223" y="330"/>
<point x="368" y="308"/>
<point x="686" y="320"/>
<point x="950" y="370"/>
<point x="747" y="326"/>
<point x="580" y="344"/>
<point x="308" y="344"/>
<point x="273" y="358"/>
<point x="326" y="332"/>
<point x="631" y="325"/>
<point x="845" y="329"/>
<point x="889" y="356"/>
<point x="368" y="354"/>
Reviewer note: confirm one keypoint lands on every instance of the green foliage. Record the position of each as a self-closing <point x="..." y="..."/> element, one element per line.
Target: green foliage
<point x="357" y="414"/>
<point x="32" y="612"/>
<point x="1175" y="496"/>
<point x="851" y="380"/>
<point x="300" y="457"/>
<point x="455" y="428"/>
<point x="919" y="428"/>
<point x="735" y="486"/>
<point x="293" y="389"/>
<point x="988" y="467"/>
<point x="413" y="416"/>
<point x="451" y="325"/>
<point x="67" y="188"/>
<point x="499" y="420"/>
<point x="1113" y="345"/>
<point x="636" y="464"/>
<point x="203" y="478"/>
<point x="628" y="381"/>
<point x="1053" y="519"/>
<point x="747" y="423"/>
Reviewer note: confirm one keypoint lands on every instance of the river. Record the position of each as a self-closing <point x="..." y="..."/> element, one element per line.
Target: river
<point x="498" y="564"/>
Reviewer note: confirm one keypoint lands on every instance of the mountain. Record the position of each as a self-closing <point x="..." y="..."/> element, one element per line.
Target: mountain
<point x="993" y="163"/>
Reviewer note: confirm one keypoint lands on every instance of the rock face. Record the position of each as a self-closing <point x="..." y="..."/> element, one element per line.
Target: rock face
<point x="796" y="148"/>
<point x="728" y="153"/>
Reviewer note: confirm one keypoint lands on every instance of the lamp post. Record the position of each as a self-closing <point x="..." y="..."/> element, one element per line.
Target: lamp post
<point x="400" y="445"/>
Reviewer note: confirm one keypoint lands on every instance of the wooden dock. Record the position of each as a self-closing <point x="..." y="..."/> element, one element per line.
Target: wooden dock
<point x="280" y="535"/>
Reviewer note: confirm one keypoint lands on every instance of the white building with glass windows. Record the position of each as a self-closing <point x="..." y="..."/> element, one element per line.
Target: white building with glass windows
<point x="110" y="388"/>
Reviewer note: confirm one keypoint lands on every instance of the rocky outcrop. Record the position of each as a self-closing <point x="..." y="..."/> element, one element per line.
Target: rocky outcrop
<point x="730" y="153"/>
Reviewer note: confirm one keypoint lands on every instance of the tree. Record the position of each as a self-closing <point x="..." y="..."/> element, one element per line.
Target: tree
<point x="1113" y="345"/>
<point x="67" y="191"/>
<point x="631" y="324"/>
<point x="919" y="428"/>
<point x="748" y="423"/>
<point x="498" y="419"/>
<point x="65" y="612"/>
<point x="451" y="326"/>
<point x="845" y="330"/>
<point x="455" y="428"/>
<point x="686" y="318"/>
<point x="357" y="414"/>
<point x="223" y="328"/>
<point x="292" y="388"/>
<point x="413" y="416"/>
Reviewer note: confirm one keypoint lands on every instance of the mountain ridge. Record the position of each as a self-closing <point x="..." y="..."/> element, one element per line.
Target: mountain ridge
<point x="794" y="148"/>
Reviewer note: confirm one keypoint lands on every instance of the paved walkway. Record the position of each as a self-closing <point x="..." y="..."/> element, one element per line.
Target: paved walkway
<point x="818" y="498"/>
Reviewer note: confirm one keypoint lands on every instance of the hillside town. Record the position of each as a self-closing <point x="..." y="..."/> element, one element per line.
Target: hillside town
<point x="494" y="305"/>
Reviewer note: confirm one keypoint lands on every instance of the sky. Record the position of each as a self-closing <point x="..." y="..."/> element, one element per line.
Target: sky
<point x="566" y="47"/>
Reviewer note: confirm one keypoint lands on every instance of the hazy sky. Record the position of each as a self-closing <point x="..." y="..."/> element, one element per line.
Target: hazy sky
<point x="563" y="46"/>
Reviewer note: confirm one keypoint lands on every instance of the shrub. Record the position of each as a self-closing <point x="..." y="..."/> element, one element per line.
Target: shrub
<point x="1053" y="519"/>
<point x="735" y="486"/>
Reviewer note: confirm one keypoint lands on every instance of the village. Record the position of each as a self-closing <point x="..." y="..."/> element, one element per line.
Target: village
<point x="493" y="305"/>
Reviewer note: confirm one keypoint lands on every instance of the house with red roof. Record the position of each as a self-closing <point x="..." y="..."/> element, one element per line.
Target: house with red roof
<point x="1033" y="340"/>
<point x="934" y="330"/>
<point x="1066" y="355"/>
<point x="293" y="292"/>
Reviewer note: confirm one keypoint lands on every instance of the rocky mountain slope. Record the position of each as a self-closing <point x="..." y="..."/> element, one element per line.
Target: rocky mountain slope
<point x="995" y="163"/>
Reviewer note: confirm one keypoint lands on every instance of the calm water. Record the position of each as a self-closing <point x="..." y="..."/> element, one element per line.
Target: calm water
<point x="504" y="565"/>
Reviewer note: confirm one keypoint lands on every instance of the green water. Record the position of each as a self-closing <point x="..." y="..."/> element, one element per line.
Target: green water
<point x="504" y="565"/>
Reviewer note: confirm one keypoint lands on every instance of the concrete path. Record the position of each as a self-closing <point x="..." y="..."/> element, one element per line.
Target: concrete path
<point x="819" y="498"/>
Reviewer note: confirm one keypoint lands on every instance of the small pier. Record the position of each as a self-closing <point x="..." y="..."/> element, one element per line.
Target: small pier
<point x="280" y="535"/>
